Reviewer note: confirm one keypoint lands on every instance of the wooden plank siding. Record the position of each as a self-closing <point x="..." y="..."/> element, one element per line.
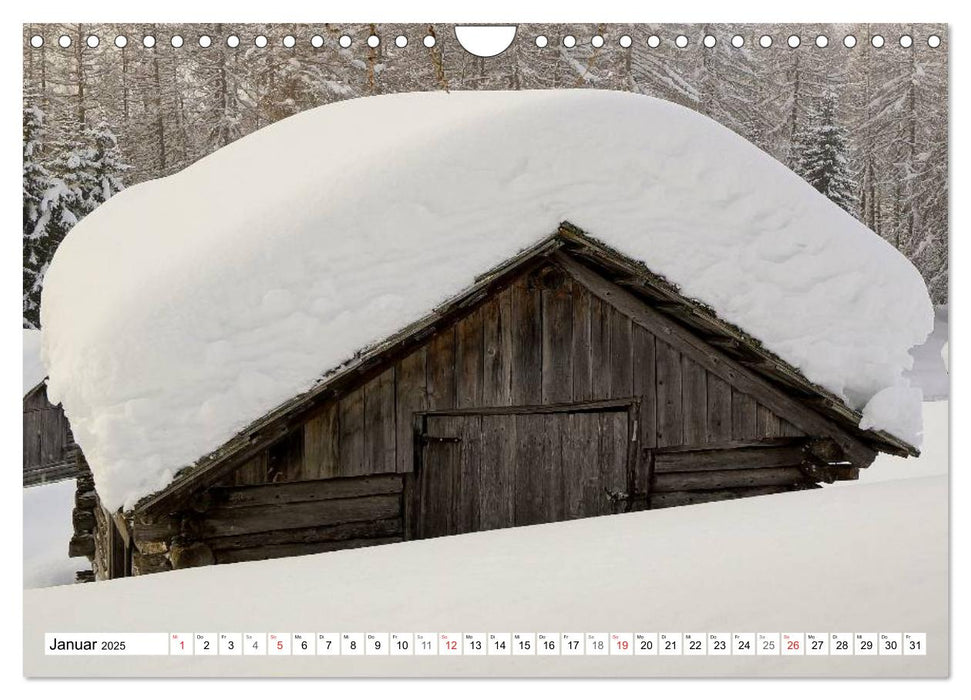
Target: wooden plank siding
<point x="544" y="339"/>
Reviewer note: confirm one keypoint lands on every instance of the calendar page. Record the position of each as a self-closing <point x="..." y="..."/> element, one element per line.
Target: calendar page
<point x="514" y="350"/>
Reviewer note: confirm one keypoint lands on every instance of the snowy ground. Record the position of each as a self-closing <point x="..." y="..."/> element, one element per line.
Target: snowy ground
<point x="47" y="530"/>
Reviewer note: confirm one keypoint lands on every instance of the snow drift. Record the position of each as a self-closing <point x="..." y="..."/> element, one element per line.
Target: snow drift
<point x="186" y="307"/>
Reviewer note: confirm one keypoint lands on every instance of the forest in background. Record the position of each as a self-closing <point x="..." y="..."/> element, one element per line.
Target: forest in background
<point x="866" y="126"/>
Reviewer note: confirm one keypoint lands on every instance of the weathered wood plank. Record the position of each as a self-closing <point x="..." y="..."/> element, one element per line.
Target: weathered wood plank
<point x="583" y="368"/>
<point x="351" y="430"/>
<point x="329" y="533"/>
<point x="527" y="344"/>
<point x="231" y="556"/>
<point x="719" y="409"/>
<point x="497" y="334"/>
<point x="410" y="398"/>
<point x="694" y="397"/>
<point x="599" y="349"/>
<point x="686" y="498"/>
<point x="530" y="490"/>
<point x="439" y="476"/>
<point x="582" y="489"/>
<point x="644" y="387"/>
<point x="222" y="522"/>
<point x="467" y="483"/>
<point x="669" y="388"/>
<point x="321" y="439"/>
<point x="379" y="424"/>
<point x="469" y="361"/>
<point x="789" y="430"/>
<point x="305" y="491"/>
<point x="557" y="466"/>
<point x="740" y="458"/>
<point x="744" y="416"/>
<point x="727" y="478"/>
<point x="767" y="423"/>
<point x="497" y="472"/>
<point x="253" y="471"/>
<point x="613" y="462"/>
<point x="621" y="364"/>
<point x="440" y="370"/>
<point x="558" y="343"/>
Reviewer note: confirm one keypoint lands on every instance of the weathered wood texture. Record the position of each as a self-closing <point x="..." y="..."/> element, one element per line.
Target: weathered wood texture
<point x="487" y="471"/>
<point x="697" y="474"/>
<point x="245" y="523"/>
<point x="544" y="339"/>
<point x="49" y="448"/>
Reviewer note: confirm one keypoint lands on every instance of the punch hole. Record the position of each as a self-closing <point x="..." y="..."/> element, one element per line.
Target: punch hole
<point x="681" y="41"/>
<point x="177" y="41"/>
<point x="654" y="41"/>
<point x="373" y="41"/>
<point x="906" y="41"/>
<point x="121" y="41"/>
<point x="738" y="41"/>
<point x="205" y="41"/>
<point x="877" y="41"/>
<point x="93" y="41"/>
<point x="597" y="41"/>
<point x="709" y="41"/>
<point x="626" y="41"/>
<point x="542" y="41"/>
<point x="569" y="41"/>
<point x="316" y="41"/>
<point x="344" y="42"/>
<point x="428" y="41"/>
<point x="232" y="41"/>
<point x="822" y="41"/>
<point x="849" y="41"/>
<point x="289" y="42"/>
<point x="765" y="41"/>
<point x="794" y="42"/>
<point x="148" y="41"/>
<point x="64" y="41"/>
<point x="401" y="41"/>
<point x="260" y="41"/>
<point x="486" y="41"/>
<point x="933" y="41"/>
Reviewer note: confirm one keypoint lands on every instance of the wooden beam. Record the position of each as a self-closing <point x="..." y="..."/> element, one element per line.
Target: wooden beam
<point x="727" y="478"/>
<point x="739" y="458"/>
<point x="716" y="361"/>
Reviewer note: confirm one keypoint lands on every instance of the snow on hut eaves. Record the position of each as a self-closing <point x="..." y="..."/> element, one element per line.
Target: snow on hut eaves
<point x="233" y="286"/>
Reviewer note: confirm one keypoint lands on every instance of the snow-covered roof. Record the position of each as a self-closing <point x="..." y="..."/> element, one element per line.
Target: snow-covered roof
<point x="187" y="307"/>
<point x="34" y="371"/>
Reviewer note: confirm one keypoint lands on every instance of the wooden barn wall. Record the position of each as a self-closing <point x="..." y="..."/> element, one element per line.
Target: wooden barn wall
<point x="545" y="339"/>
<point x="48" y="443"/>
<point x="244" y="523"/>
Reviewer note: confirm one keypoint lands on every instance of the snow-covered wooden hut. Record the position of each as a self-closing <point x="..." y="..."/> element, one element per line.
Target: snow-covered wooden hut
<point x="423" y="315"/>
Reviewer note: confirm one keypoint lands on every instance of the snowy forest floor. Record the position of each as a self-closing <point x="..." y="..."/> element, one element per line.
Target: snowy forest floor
<point x="863" y="556"/>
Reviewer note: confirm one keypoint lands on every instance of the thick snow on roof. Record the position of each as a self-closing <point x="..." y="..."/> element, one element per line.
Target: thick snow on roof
<point x="186" y="307"/>
<point x="34" y="371"/>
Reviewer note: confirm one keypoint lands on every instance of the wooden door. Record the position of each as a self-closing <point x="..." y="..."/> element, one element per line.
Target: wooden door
<point x="488" y="470"/>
